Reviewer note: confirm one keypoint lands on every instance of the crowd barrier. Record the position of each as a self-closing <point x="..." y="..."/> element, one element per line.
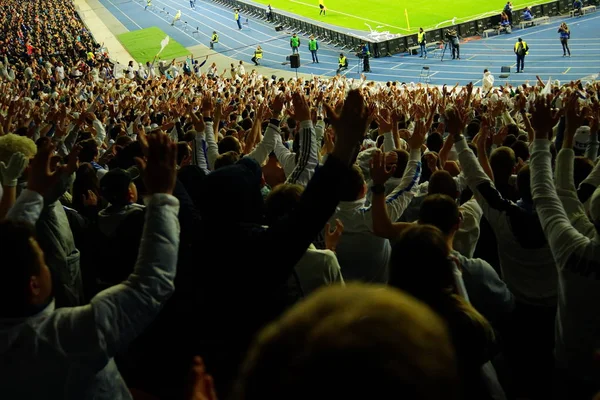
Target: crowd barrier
<point x="392" y="44"/>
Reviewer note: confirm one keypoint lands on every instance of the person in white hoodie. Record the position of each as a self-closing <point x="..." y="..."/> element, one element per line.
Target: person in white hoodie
<point x="487" y="82"/>
<point x="362" y="255"/>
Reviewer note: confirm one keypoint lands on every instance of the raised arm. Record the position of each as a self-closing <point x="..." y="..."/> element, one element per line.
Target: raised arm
<point x="289" y="239"/>
<point x="562" y="237"/>
<point x="383" y="226"/>
<point x="488" y="197"/>
<point x="199" y="145"/>
<point x="116" y="316"/>
<point x="307" y="158"/>
<point x="286" y="158"/>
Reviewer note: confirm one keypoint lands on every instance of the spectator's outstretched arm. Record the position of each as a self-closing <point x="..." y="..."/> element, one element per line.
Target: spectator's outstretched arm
<point x="402" y="195"/>
<point x="591" y="152"/>
<point x="565" y="188"/>
<point x="116" y="316"/>
<point x="562" y="238"/>
<point x="383" y="226"/>
<point x="307" y="158"/>
<point x="200" y="153"/>
<point x="265" y="143"/>
<point x="286" y="158"/>
<point x="212" y="150"/>
<point x="289" y="239"/>
<point x="319" y="131"/>
<point x="99" y="129"/>
<point x="592" y="181"/>
<point x="265" y="146"/>
<point x="488" y="197"/>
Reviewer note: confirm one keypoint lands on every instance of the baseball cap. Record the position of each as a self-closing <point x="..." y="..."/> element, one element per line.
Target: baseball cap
<point x="114" y="185"/>
<point x="581" y="139"/>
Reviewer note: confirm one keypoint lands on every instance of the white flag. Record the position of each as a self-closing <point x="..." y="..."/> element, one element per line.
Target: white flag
<point x="546" y="90"/>
<point x="163" y="44"/>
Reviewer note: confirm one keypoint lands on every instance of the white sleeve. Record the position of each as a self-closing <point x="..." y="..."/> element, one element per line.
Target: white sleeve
<point x="563" y="239"/>
<point x="199" y="154"/>
<point x="286" y="158"/>
<point x="266" y="145"/>
<point x="308" y="159"/>
<point x="27" y="208"/>
<point x="388" y="142"/>
<point x="400" y="198"/>
<point x="118" y="315"/>
<point x="212" y="150"/>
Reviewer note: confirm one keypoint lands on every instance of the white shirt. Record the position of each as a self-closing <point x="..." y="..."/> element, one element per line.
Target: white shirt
<point x="318" y="268"/>
<point x="60" y="70"/>
<point x="488" y="82"/>
<point x="241" y="70"/>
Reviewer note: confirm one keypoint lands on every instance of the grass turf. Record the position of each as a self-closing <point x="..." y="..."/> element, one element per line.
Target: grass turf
<point x="143" y="45"/>
<point x="389" y="14"/>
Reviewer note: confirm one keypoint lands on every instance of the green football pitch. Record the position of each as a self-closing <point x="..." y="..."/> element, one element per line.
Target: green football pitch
<point x="389" y="15"/>
<point x="143" y="45"/>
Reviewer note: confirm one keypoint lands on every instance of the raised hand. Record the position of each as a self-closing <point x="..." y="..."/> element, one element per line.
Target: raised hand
<point x="349" y="126"/>
<point x="160" y="167"/>
<point x="543" y="117"/>
<point x="332" y="238"/>
<point x="300" y="111"/>
<point x="277" y="105"/>
<point x="72" y="160"/>
<point x="384" y="121"/>
<point x="202" y="385"/>
<point x="573" y="114"/>
<point x="198" y="123"/>
<point x="456" y="119"/>
<point x="416" y="140"/>
<point x="41" y="177"/>
<point x="208" y="106"/>
<point x="90" y="199"/>
<point x="9" y="174"/>
<point x="380" y="172"/>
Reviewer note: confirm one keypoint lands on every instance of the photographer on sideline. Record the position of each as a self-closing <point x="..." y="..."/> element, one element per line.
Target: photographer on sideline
<point x="452" y="37"/>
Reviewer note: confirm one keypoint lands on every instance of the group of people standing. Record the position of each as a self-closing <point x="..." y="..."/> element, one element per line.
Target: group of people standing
<point x="521" y="48"/>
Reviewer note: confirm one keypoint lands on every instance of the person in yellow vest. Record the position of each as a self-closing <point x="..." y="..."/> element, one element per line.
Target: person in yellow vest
<point x="177" y="17"/>
<point x="214" y="39"/>
<point x="258" y="54"/>
<point x="521" y="50"/>
<point x="90" y="58"/>
<point x="323" y="9"/>
<point x="343" y="63"/>
<point x="238" y="18"/>
<point x="422" y="41"/>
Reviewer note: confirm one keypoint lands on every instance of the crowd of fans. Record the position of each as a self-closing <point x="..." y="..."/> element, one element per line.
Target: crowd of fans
<point x="179" y="234"/>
